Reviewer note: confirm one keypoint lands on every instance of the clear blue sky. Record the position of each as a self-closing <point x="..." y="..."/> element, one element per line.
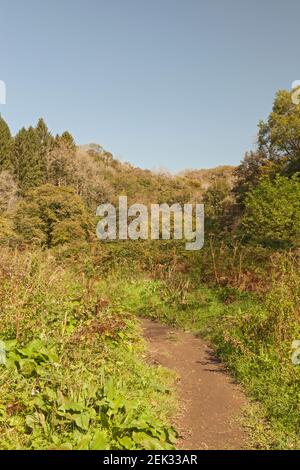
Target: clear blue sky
<point x="160" y="83"/>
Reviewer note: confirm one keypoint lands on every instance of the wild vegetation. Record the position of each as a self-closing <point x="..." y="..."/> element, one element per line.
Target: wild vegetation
<point x="73" y="368"/>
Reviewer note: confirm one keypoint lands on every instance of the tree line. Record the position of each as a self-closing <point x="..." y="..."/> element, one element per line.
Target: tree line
<point x="48" y="177"/>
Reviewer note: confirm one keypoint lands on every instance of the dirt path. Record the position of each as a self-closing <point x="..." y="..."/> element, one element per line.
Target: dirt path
<point x="211" y="400"/>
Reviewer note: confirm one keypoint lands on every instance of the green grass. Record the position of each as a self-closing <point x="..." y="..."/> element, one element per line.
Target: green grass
<point x="251" y="333"/>
<point x="85" y="317"/>
<point x="73" y="375"/>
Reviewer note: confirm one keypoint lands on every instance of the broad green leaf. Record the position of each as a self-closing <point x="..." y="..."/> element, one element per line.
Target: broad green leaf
<point x="145" y="441"/>
<point x="83" y="420"/>
<point x="72" y="405"/>
<point x="84" y="443"/>
<point x="126" y="442"/>
<point x="100" y="441"/>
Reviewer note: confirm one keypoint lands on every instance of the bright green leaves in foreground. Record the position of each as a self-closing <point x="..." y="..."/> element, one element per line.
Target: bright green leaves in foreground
<point x="47" y="414"/>
<point x="74" y="378"/>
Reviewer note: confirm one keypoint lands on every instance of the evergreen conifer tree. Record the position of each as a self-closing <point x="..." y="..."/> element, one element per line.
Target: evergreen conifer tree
<point x="6" y="142"/>
<point x="29" y="163"/>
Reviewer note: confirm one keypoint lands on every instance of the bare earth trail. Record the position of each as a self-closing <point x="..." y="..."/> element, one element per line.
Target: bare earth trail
<point x="211" y="400"/>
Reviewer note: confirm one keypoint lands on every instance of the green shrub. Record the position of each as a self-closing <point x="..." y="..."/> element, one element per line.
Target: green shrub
<point x="272" y="213"/>
<point x="51" y="215"/>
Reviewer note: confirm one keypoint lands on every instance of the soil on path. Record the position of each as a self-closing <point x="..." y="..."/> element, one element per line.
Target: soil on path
<point x="211" y="401"/>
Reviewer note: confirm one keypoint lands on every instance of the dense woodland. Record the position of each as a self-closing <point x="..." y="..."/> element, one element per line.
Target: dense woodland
<point x="73" y="374"/>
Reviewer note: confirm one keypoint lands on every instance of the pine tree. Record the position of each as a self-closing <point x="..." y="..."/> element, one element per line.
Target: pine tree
<point x="45" y="140"/>
<point x="29" y="163"/>
<point x="67" y="139"/>
<point x="19" y="149"/>
<point x="6" y="141"/>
